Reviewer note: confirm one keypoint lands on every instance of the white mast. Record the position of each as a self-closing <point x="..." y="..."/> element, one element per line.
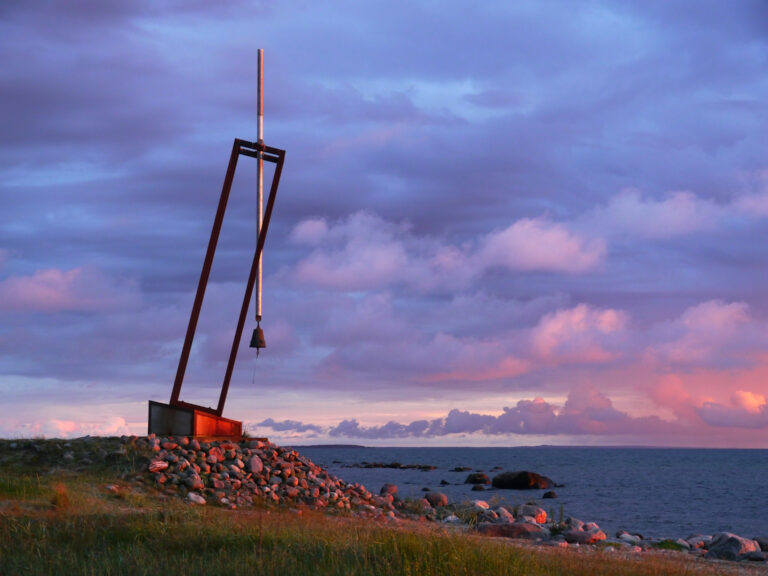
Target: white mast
<point x="260" y="177"/>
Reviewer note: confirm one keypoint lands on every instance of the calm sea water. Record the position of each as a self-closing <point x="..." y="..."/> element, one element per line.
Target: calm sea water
<point x="657" y="492"/>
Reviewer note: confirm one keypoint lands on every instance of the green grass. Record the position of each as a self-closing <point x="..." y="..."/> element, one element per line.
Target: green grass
<point x="668" y="545"/>
<point x="112" y="538"/>
<point x="20" y="486"/>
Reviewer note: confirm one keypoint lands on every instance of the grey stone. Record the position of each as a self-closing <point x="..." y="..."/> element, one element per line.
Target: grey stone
<point x="195" y="498"/>
<point x="574" y="536"/>
<point x="729" y="546"/>
<point x="762" y="541"/>
<point x="539" y="514"/>
<point x="522" y="530"/>
<point x="698" y="541"/>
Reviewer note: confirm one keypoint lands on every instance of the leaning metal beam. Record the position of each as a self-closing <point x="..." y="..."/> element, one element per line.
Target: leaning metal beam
<point x="254" y="150"/>
<point x="255" y="266"/>
<point x="206" y="272"/>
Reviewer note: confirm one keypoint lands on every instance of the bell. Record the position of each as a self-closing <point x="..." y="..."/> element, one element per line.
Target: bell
<point x="257" y="340"/>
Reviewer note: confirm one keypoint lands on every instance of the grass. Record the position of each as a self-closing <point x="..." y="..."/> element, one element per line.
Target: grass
<point x="214" y="541"/>
<point x="75" y="524"/>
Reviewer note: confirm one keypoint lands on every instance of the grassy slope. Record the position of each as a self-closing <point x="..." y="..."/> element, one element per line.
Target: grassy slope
<point x="66" y="522"/>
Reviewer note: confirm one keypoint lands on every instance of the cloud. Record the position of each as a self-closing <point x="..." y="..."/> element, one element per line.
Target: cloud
<point x="310" y="231"/>
<point x="540" y="245"/>
<point x="352" y="429"/>
<point x="491" y="185"/>
<point x="78" y="289"/>
<point x="60" y="428"/>
<point x="706" y="334"/>
<point x="288" y="426"/>
<point x="586" y="412"/>
<point x="366" y="252"/>
<point x="745" y="410"/>
<point x="680" y="213"/>
<point x="581" y="334"/>
<point x="363" y="252"/>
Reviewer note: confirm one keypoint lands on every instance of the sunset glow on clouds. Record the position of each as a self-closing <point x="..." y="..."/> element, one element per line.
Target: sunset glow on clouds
<point x="557" y="233"/>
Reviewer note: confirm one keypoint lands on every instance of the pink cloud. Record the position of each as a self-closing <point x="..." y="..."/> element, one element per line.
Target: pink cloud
<point x="540" y="245"/>
<point x="678" y="214"/>
<point x="365" y="252"/>
<point x="78" y="289"/>
<point x="745" y="410"/>
<point x="61" y="428"/>
<point x="310" y="231"/>
<point x="704" y="333"/>
<point x="581" y="334"/>
<point x="506" y="367"/>
<point x="753" y="204"/>
<point x="361" y="253"/>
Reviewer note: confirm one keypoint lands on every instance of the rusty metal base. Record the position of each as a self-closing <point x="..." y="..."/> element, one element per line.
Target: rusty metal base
<point x="167" y="420"/>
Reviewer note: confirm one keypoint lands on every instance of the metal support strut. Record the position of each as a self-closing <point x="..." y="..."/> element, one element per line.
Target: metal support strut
<point x="261" y="152"/>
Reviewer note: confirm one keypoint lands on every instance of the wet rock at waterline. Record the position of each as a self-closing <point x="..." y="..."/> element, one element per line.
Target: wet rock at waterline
<point x="521" y="480"/>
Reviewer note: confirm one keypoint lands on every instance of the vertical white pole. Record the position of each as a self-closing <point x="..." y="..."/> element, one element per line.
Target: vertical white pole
<point x="260" y="178"/>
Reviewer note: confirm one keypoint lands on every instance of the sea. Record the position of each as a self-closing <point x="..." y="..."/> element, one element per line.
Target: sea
<point x="655" y="492"/>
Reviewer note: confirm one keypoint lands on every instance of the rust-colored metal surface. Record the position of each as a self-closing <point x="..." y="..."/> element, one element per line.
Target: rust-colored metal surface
<point x="253" y="150"/>
<point x="210" y="425"/>
<point x="168" y="420"/>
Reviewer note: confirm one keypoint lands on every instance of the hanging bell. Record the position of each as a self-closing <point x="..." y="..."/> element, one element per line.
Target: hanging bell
<point x="257" y="340"/>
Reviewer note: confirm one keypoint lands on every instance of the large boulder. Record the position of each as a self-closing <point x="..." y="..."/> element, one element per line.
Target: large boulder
<point x="523" y="530"/>
<point x="538" y="514"/>
<point x="437" y="499"/>
<point x="521" y="480"/>
<point x="255" y="465"/>
<point x="388" y="489"/>
<point x="574" y="536"/>
<point x="729" y="546"/>
<point x="477" y="478"/>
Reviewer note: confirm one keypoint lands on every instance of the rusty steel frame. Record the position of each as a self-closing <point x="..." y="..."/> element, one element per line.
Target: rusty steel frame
<point x="254" y="150"/>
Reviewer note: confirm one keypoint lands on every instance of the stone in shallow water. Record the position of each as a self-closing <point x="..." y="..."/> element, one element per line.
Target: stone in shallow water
<point x="521" y="480"/>
<point x="477" y="478"/>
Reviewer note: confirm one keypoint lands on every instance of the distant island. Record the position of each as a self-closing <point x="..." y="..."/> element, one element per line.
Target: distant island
<point x="328" y="446"/>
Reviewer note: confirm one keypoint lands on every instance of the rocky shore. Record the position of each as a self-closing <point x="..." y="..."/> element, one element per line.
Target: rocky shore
<point x="252" y="472"/>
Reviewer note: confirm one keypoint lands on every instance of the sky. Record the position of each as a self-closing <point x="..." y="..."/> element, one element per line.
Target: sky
<point x="515" y="223"/>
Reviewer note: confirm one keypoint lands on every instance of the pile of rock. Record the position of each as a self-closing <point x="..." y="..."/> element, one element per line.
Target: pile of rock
<point x="234" y="474"/>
